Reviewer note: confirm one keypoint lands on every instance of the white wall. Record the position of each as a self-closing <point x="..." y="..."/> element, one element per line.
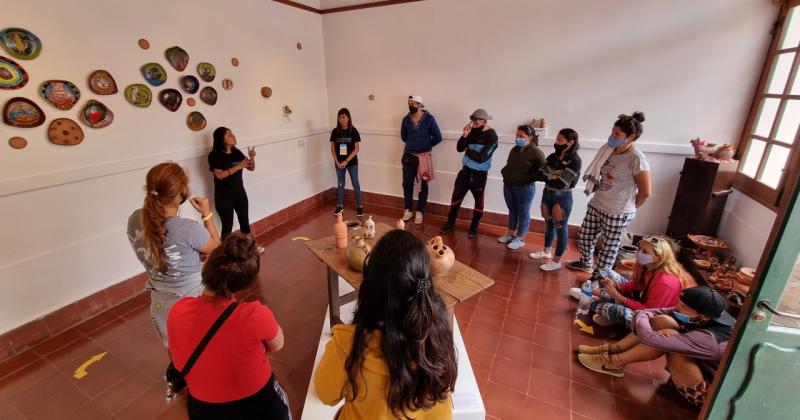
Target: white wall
<point x="746" y="225"/>
<point x="64" y="209"/>
<point x="691" y="66"/>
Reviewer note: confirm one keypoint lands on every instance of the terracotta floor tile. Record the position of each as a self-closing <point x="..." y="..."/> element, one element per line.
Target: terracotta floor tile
<point x="590" y="378"/>
<point x="560" y="319"/>
<point x="8" y="412"/>
<point x="552" y="338"/>
<point x="525" y="296"/>
<point x="519" y="328"/>
<point x="528" y="281"/>
<point x="637" y="388"/>
<point x="552" y="361"/>
<point x="482" y="338"/>
<point x="536" y="409"/>
<point x="493" y="303"/>
<point x="509" y="373"/>
<point x="91" y="410"/>
<point x="48" y="398"/>
<point x="504" y="403"/>
<point x="487" y="318"/>
<point x="592" y="403"/>
<point x="500" y="289"/>
<point x="549" y="387"/>
<point x="18" y="362"/>
<point x="58" y="342"/>
<point x="522" y="311"/>
<point x="516" y="349"/>
<point x="504" y="276"/>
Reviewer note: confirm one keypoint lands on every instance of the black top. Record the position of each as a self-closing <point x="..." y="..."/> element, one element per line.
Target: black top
<point x="522" y="165"/>
<point x="568" y="171"/>
<point x="345" y="141"/>
<point x="225" y="161"/>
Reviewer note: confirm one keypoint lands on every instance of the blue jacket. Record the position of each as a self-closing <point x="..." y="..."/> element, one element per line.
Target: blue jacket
<point x="478" y="148"/>
<point x="423" y="137"/>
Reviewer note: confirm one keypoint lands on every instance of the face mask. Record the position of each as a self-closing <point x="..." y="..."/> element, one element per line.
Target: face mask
<point x="615" y="142"/>
<point x="521" y="142"/>
<point x="643" y="258"/>
<point x="560" y="147"/>
<point x="683" y="318"/>
<point x="412" y="109"/>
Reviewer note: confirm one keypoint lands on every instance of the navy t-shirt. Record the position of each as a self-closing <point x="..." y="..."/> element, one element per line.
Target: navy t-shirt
<point x="225" y="161"/>
<point x="345" y="141"/>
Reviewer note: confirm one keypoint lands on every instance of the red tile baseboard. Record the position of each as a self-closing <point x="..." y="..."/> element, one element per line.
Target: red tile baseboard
<point x="491" y="222"/>
<point x="24" y="337"/>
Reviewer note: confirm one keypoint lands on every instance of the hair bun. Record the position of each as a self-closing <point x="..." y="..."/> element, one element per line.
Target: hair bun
<point x="638" y="115"/>
<point x="239" y="247"/>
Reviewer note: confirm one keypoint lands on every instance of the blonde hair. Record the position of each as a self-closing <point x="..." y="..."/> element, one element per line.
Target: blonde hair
<point x="666" y="250"/>
<point x="165" y="181"/>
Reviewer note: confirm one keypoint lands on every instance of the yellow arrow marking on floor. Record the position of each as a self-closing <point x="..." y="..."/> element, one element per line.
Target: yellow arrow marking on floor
<point x="583" y="327"/>
<point x="80" y="372"/>
<point x="300" y="238"/>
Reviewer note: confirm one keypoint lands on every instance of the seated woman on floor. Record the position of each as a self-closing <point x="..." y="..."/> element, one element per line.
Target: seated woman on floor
<point x="397" y="359"/>
<point x="693" y="335"/>
<point x="656" y="282"/>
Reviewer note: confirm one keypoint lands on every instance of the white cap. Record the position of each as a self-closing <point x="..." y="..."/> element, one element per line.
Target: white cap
<point x="415" y="98"/>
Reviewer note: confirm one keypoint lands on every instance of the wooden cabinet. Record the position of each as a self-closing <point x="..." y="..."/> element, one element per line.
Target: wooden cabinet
<point x="701" y="196"/>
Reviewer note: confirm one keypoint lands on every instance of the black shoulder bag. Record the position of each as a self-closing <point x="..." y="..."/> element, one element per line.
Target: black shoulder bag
<point x="176" y="379"/>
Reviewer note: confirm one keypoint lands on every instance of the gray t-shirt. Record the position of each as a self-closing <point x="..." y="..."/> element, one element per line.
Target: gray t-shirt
<point x="616" y="191"/>
<point x="184" y="239"/>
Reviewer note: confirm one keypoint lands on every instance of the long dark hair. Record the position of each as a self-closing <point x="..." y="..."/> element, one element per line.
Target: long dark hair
<point x="570" y="135"/>
<point x="631" y="124"/>
<point x="397" y="298"/>
<point x="232" y="266"/>
<point x="344" y="111"/>
<point x="218" y="147"/>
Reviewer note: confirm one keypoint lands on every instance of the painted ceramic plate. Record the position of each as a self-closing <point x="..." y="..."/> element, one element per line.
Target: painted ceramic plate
<point x="96" y="115"/>
<point x="190" y="101"/>
<point x="178" y="58"/>
<point x="102" y="83"/>
<point x="65" y="132"/>
<point x="154" y="74"/>
<point x="206" y="71"/>
<point x="170" y="98"/>
<point x="227" y="84"/>
<point x="208" y="95"/>
<point x="139" y="95"/>
<point x="266" y="91"/>
<point x="20" y="43"/>
<point x="12" y="75"/>
<point x="196" y="121"/>
<point x="61" y="93"/>
<point x="190" y="84"/>
<point x="22" y="112"/>
<point x="17" y="142"/>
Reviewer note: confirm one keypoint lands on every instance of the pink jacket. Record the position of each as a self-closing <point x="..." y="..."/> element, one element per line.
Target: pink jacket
<point x="425" y="168"/>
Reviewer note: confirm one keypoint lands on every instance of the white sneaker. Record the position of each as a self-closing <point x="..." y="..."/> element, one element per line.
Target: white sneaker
<point x="505" y="239"/>
<point x="575" y="293"/>
<point x="407" y="215"/>
<point x="540" y="255"/>
<point x="551" y="266"/>
<point x="602" y="321"/>
<point x="260" y="249"/>
<point x="418" y="218"/>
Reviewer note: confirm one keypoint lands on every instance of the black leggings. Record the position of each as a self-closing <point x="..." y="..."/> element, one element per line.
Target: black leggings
<point x="270" y="402"/>
<point x="468" y="180"/>
<point x="227" y="203"/>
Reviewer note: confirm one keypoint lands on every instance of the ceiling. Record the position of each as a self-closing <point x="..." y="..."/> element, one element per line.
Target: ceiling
<point x="330" y="4"/>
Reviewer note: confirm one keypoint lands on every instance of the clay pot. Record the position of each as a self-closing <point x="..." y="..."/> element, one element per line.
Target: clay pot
<point x="401" y="224"/>
<point x="357" y="252"/>
<point x="746" y="275"/>
<point x="369" y="228"/>
<point x="442" y="257"/>
<point x="340" y="232"/>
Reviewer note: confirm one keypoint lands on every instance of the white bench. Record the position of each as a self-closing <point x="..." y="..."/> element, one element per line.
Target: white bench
<point x="467" y="402"/>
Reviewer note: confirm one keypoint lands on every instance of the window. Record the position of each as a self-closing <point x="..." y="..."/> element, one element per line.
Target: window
<point x="768" y="149"/>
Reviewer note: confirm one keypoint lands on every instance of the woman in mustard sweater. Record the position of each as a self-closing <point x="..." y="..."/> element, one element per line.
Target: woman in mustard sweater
<point x="397" y="359"/>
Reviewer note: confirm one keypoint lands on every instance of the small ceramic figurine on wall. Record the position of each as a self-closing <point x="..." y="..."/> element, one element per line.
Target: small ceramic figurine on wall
<point x="340" y="232"/>
<point x="401" y="224"/>
<point x="369" y="228"/>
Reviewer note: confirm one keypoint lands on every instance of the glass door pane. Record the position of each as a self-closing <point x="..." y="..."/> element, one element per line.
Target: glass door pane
<point x="791" y="33"/>
<point x="781" y="68"/>
<point x="766" y="116"/>
<point x="752" y="158"/>
<point x="788" y="122"/>
<point x="776" y="161"/>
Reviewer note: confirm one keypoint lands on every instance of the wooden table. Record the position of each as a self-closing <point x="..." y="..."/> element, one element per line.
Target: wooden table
<point x="459" y="284"/>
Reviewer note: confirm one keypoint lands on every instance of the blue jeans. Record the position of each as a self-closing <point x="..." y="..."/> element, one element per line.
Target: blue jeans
<point x="557" y="228"/>
<point x="353" y="179"/>
<point x="519" y="200"/>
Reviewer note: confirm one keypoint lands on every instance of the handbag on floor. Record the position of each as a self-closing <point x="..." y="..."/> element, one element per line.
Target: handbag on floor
<point x="176" y="379"/>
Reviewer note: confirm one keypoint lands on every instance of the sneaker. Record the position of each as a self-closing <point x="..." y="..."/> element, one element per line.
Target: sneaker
<point x="407" y="215"/>
<point x="551" y="266"/>
<point x="575" y="293"/>
<point x="472" y="233"/>
<point x="360" y="212"/>
<point x="603" y="348"/>
<point x="505" y="239"/>
<point x="447" y="228"/>
<point x="338" y="210"/>
<point x="577" y="265"/>
<point x="515" y="244"/>
<point x="260" y="249"/>
<point x="540" y="255"/>
<point x="418" y="218"/>
<point x="601" y="363"/>
<point x="602" y="321"/>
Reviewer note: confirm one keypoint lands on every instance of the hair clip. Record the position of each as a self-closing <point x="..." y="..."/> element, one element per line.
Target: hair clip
<point x="422" y="285"/>
<point x="154" y="192"/>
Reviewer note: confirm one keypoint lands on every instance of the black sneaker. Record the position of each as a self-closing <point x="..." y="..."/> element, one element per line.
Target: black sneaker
<point x="577" y="265"/>
<point x="447" y="227"/>
<point x="360" y="212"/>
<point x="338" y="210"/>
<point x="472" y="233"/>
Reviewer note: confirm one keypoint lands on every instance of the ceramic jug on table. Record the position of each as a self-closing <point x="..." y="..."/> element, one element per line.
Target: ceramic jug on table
<point x="369" y="228"/>
<point x="442" y="256"/>
<point x="357" y="252"/>
<point x="340" y="232"/>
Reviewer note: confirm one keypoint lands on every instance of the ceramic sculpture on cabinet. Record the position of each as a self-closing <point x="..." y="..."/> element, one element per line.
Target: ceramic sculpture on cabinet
<point x="369" y="228"/>
<point x="357" y="252"/>
<point x="340" y="232"/>
<point x="400" y="224"/>
<point x="442" y="257"/>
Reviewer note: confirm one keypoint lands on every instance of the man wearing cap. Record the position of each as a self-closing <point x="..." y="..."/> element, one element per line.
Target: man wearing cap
<point x="693" y="336"/>
<point x="478" y="144"/>
<point x="420" y="133"/>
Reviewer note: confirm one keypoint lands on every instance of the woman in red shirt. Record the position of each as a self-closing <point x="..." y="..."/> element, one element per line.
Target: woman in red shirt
<point x="232" y="378"/>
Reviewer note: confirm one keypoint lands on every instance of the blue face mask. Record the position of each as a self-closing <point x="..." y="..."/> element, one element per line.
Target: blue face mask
<point x="521" y="142"/>
<point x="615" y="142"/>
<point x="683" y="318"/>
<point x="643" y="258"/>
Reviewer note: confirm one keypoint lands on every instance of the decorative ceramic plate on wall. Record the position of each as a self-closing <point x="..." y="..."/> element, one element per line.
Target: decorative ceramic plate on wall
<point x="12" y="75"/>
<point x="139" y="95"/>
<point x="17" y="142"/>
<point x="208" y="95"/>
<point x="178" y="58"/>
<point x="196" y="121"/>
<point x="22" y="112"/>
<point x="62" y="94"/>
<point x="65" y="132"/>
<point x="171" y="99"/>
<point x="20" y="43"/>
<point x="96" y="115"/>
<point x="190" y="84"/>
<point x="102" y="83"/>
<point x="154" y="74"/>
<point x="206" y="71"/>
<point x="227" y="84"/>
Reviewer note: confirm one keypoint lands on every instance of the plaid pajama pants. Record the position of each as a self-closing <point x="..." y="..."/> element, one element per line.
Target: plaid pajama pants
<point x="610" y="226"/>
